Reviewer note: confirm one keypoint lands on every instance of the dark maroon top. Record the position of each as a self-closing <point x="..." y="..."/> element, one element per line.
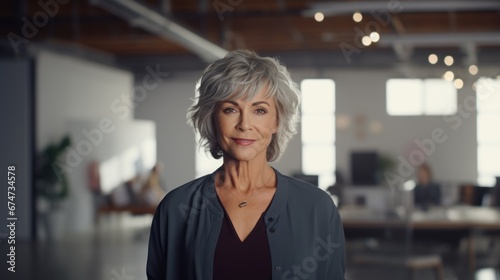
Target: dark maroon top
<point x="247" y="260"/>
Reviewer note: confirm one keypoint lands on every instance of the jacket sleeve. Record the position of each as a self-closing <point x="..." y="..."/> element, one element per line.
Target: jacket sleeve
<point x="157" y="251"/>
<point x="337" y="263"/>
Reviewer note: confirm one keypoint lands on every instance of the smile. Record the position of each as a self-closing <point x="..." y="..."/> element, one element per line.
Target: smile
<point x="243" y="142"/>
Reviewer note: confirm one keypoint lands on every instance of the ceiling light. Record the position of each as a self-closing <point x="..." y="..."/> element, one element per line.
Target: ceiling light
<point x="357" y="17"/>
<point x="458" y="83"/>
<point x="473" y="69"/>
<point x="433" y="59"/>
<point x="319" y="16"/>
<point x="366" y="41"/>
<point x="448" y="76"/>
<point x="374" y="36"/>
<point x="448" y="60"/>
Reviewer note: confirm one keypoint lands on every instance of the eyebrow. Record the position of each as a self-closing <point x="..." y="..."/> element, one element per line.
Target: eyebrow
<point x="260" y="102"/>
<point x="253" y="104"/>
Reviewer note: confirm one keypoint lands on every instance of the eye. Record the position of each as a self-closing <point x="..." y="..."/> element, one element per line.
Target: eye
<point x="228" y="110"/>
<point x="261" y="111"/>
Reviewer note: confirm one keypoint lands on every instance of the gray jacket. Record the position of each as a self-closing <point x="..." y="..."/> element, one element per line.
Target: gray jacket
<point x="304" y="231"/>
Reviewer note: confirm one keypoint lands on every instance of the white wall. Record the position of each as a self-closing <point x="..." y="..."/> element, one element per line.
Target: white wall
<point x="69" y="89"/>
<point x="167" y="105"/>
<point x="357" y="92"/>
<point x="99" y="140"/>
<point x="363" y="93"/>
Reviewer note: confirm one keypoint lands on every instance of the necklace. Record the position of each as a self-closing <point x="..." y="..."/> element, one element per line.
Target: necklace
<point x="244" y="203"/>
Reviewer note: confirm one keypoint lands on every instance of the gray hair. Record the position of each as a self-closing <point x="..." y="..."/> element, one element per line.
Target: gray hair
<point x="242" y="74"/>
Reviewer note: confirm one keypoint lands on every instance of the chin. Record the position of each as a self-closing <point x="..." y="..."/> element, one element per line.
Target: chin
<point x="242" y="158"/>
<point x="245" y="156"/>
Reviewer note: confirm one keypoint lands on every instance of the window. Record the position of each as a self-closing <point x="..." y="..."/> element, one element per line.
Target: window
<point x="488" y="130"/>
<point x="318" y="129"/>
<point x="411" y="97"/>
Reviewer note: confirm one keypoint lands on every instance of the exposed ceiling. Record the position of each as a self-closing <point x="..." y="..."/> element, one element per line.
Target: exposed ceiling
<point x="204" y="29"/>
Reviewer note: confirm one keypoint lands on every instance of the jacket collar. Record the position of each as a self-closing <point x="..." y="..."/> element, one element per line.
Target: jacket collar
<point x="278" y="202"/>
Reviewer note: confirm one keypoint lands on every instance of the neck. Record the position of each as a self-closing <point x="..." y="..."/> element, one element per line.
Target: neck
<point x="246" y="177"/>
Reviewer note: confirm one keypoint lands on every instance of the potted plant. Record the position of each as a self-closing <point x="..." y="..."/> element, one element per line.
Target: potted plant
<point x="386" y="163"/>
<point x="52" y="187"/>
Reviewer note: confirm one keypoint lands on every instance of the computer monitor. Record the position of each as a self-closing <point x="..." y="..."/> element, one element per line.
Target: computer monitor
<point x="364" y="167"/>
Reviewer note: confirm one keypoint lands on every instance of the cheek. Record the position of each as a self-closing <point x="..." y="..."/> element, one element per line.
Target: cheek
<point x="267" y="126"/>
<point x="220" y="124"/>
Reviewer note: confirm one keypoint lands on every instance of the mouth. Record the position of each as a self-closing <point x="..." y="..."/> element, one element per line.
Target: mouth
<point x="243" y="142"/>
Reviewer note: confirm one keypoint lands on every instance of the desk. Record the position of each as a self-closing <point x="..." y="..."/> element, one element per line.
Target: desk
<point x="467" y="218"/>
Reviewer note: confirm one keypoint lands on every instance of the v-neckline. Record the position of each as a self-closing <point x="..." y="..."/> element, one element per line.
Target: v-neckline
<point x="233" y="229"/>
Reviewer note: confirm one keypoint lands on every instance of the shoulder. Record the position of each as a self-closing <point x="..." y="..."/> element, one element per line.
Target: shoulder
<point x="304" y="188"/>
<point x="306" y="194"/>
<point x="185" y="193"/>
<point x="306" y="201"/>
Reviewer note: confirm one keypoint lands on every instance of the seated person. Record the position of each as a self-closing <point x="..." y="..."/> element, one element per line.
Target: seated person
<point x="152" y="192"/>
<point x="495" y="193"/>
<point x="426" y="192"/>
<point x="140" y="192"/>
<point x="126" y="193"/>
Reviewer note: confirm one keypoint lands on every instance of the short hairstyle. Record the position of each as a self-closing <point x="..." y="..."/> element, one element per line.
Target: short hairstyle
<point x="242" y="74"/>
<point x="427" y="168"/>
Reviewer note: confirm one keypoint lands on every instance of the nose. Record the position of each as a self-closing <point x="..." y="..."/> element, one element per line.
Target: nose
<point x="244" y="122"/>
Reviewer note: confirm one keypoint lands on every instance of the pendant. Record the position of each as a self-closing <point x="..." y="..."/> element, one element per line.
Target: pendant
<point x="243" y="204"/>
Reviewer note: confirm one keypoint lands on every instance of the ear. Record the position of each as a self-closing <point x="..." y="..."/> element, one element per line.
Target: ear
<point x="276" y="124"/>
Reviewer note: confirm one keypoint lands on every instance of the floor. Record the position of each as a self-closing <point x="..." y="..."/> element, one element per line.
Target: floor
<point x="118" y="252"/>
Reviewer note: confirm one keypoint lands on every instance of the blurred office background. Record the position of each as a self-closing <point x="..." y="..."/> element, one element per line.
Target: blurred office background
<point x="94" y="97"/>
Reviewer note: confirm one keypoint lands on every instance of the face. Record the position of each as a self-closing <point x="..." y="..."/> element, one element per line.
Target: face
<point x="245" y="127"/>
<point x="423" y="175"/>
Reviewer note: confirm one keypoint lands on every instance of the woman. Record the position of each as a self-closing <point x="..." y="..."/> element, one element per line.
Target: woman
<point x="246" y="220"/>
<point x="426" y="192"/>
<point x="152" y="192"/>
